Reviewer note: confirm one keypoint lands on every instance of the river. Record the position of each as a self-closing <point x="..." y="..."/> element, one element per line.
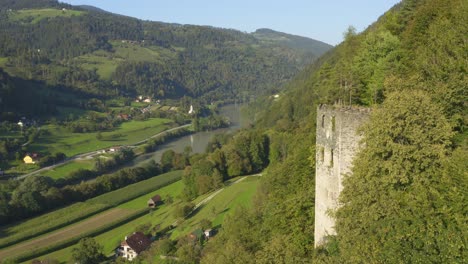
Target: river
<point x="198" y="141"/>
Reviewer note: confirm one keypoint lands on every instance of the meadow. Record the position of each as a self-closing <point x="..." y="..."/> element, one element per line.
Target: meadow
<point x="106" y="63"/>
<point x="239" y="194"/>
<point x="59" y="139"/>
<point x="66" y="169"/>
<point x="36" y="15"/>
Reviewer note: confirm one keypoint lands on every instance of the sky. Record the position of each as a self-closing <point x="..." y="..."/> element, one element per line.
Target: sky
<point x="323" y="20"/>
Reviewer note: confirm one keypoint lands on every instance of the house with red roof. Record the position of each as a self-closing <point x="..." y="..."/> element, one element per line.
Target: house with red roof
<point x="133" y="245"/>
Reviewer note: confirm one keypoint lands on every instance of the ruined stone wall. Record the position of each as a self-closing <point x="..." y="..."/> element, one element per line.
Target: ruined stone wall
<point x="336" y="145"/>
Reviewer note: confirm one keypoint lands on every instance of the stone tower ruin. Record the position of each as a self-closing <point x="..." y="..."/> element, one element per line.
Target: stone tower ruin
<point x="336" y="145"/>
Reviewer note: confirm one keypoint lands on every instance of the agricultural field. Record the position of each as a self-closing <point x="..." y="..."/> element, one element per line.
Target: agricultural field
<point x="59" y="139"/>
<point x="113" y="237"/>
<point x="36" y="15"/>
<point x="135" y="190"/>
<point x="79" y="211"/>
<point x="66" y="169"/>
<point x="50" y="221"/>
<point x="67" y="233"/>
<point x="238" y="194"/>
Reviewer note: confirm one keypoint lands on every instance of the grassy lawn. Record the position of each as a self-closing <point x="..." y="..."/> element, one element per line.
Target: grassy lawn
<point x="232" y="196"/>
<point x="60" y="139"/>
<point x="36" y="15"/>
<point x="66" y="169"/>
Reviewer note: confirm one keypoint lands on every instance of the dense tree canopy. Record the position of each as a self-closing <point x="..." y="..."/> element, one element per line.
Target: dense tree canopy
<point x="405" y="201"/>
<point x="398" y="203"/>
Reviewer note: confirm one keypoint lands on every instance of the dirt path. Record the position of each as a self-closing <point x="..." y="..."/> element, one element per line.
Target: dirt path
<point x="207" y="199"/>
<point x="65" y="233"/>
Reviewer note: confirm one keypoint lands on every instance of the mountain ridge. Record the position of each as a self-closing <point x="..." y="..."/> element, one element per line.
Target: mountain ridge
<point x="103" y="54"/>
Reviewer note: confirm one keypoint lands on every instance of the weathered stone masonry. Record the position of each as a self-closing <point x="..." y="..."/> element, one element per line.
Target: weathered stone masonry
<point x="336" y="145"/>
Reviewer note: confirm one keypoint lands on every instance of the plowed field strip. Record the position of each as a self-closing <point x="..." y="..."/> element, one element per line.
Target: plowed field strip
<point x="66" y="233"/>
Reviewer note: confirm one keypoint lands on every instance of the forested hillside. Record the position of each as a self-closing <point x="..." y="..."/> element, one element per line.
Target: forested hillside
<point x="99" y="54"/>
<point x="405" y="201"/>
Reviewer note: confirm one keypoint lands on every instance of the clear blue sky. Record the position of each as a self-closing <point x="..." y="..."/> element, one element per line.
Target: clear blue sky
<point x="324" y="20"/>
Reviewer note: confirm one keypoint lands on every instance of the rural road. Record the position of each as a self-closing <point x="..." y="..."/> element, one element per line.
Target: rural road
<point x="93" y="153"/>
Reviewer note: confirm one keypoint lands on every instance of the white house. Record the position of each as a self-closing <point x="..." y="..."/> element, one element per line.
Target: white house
<point x="133" y="245"/>
<point x="191" y="111"/>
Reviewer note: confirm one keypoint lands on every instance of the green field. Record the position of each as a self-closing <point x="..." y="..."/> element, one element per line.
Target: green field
<point x="112" y="238"/>
<point x="44" y="223"/>
<point x="137" y="189"/>
<point x="239" y="194"/>
<point x="66" y="169"/>
<point x="60" y="139"/>
<point x="62" y="217"/>
<point x="3" y="61"/>
<point x="105" y="62"/>
<point x="36" y="15"/>
<point x="232" y="196"/>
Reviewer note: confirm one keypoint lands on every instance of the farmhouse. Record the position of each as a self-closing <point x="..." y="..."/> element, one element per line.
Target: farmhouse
<point x="133" y="245"/>
<point x="209" y="233"/>
<point x="114" y="149"/>
<point x="191" y="111"/>
<point x="154" y="201"/>
<point x="31" y="158"/>
<point x="197" y="235"/>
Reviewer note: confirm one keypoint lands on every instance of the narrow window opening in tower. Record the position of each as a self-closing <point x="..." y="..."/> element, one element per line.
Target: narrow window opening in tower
<point x="323" y="121"/>
<point x="322" y="154"/>
<point x="331" y="158"/>
<point x="333" y="124"/>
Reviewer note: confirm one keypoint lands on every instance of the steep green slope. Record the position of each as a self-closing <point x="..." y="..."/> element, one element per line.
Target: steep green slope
<point x="104" y="54"/>
<point x="405" y="201"/>
<point x="292" y="41"/>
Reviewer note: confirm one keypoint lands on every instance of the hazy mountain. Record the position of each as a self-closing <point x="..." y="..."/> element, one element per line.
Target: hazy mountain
<point x="88" y="50"/>
<point x="292" y="41"/>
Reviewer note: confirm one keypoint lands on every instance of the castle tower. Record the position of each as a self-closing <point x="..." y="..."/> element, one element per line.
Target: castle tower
<point x="336" y="145"/>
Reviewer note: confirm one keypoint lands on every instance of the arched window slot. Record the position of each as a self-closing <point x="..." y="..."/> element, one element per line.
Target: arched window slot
<point x="331" y="158"/>
<point x="323" y="121"/>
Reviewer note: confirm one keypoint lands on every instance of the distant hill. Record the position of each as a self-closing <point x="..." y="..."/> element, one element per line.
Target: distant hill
<point x="93" y="8"/>
<point x="292" y="41"/>
<point x="90" y="51"/>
